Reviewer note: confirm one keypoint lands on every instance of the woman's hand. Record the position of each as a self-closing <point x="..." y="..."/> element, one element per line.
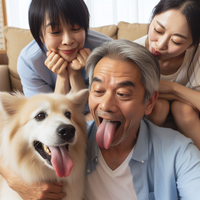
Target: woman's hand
<point x="56" y="64"/>
<point x="59" y="66"/>
<point x="69" y="76"/>
<point x="80" y="60"/>
<point x="75" y="77"/>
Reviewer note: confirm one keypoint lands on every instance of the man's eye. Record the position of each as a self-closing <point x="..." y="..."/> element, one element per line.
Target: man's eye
<point x="123" y="95"/>
<point x="98" y="91"/>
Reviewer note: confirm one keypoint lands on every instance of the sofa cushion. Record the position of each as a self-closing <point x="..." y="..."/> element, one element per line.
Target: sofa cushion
<point x="110" y="30"/>
<point x="16" y="40"/>
<point x="131" y="31"/>
<point x="4" y="79"/>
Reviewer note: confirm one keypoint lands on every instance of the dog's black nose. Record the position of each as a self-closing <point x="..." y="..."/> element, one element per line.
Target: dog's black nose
<point x="66" y="132"/>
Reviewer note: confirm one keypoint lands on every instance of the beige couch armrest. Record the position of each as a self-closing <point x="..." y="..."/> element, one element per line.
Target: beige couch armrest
<point x="4" y="79"/>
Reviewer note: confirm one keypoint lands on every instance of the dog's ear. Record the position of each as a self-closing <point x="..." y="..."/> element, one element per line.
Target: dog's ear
<point x="78" y="99"/>
<point x="10" y="103"/>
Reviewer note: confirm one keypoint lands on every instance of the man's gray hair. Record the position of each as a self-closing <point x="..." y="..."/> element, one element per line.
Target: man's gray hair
<point x="126" y="50"/>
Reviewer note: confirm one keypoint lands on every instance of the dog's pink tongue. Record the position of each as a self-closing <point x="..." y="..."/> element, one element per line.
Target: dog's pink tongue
<point x="61" y="161"/>
<point x="105" y="133"/>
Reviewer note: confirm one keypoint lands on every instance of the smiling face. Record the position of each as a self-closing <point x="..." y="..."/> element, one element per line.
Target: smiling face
<point x="116" y="101"/>
<point x="64" y="39"/>
<point x="169" y="35"/>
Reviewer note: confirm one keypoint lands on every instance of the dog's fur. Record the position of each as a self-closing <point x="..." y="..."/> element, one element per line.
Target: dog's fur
<point x="25" y="123"/>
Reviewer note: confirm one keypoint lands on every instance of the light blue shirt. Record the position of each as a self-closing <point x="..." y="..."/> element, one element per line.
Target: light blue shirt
<point x="165" y="165"/>
<point x="36" y="77"/>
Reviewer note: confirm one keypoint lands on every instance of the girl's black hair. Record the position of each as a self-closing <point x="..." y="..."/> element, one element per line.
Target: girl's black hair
<point x="70" y="11"/>
<point x="191" y="10"/>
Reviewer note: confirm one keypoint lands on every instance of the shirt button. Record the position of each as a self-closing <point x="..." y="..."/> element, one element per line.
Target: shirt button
<point x="88" y="171"/>
<point x="96" y="159"/>
<point x="142" y="161"/>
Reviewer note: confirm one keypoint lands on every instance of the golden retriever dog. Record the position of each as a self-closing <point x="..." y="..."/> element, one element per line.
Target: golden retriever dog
<point x="43" y="138"/>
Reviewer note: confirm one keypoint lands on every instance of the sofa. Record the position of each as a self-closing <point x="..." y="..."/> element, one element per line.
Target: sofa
<point x="17" y="39"/>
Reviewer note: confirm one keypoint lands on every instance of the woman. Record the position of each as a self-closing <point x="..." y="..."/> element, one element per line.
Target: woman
<point x="55" y="60"/>
<point x="173" y="37"/>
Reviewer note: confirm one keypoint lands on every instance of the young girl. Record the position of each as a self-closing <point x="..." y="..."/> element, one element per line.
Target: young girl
<point x="55" y="60"/>
<point x="173" y="37"/>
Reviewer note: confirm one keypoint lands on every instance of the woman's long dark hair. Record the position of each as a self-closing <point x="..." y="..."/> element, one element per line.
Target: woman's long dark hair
<point x="191" y="10"/>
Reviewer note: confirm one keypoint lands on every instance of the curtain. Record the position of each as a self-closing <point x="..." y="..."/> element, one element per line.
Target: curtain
<point x="102" y="12"/>
<point x="17" y="13"/>
<point x="106" y="12"/>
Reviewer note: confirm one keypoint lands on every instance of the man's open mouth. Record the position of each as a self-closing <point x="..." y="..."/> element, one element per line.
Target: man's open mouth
<point x="106" y="132"/>
<point x="118" y="123"/>
<point x="45" y="151"/>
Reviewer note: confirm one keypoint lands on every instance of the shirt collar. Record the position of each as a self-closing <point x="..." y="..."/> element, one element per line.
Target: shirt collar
<point x="93" y="148"/>
<point x="140" y="153"/>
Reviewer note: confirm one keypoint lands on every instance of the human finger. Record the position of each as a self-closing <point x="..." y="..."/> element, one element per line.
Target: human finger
<point x="48" y="53"/>
<point x="78" y="63"/>
<point x="51" y="60"/>
<point x="75" y="65"/>
<point x="52" y="191"/>
<point x="63" y="68"/>
<point x="85" y="52"/>
<point x="81" y="60"/>
<point x="51" y="196"/>
<point x="54" y="61"/>
<point x="82" y="56"/>
<point x="60" y="66"/>
<point x="50" y="56"/>
<point x="42" y="191"/>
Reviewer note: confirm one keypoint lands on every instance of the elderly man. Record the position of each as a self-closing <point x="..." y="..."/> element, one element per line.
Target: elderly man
<point x="129" y="157"/>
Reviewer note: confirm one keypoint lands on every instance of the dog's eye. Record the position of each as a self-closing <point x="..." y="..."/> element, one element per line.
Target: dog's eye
<point x="68" y="115"/>
<point x="40" y="116"/>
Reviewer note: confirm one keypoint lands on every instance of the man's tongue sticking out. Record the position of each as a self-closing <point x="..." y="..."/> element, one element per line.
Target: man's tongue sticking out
<point x="105" y="133"/>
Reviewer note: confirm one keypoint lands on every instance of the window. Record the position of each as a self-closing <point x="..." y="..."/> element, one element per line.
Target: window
<point x="102" y="12"/>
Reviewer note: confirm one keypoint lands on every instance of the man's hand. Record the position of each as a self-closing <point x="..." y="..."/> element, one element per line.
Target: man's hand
<point x="35" y="191"/>
<point x="38" y="191"/>
<point x="80" y="60"/>
<point x="56" y="63"/>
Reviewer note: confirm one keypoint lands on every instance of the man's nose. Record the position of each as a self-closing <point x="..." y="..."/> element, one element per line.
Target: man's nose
<point x="162" y="43"/>
<point x="108" y="103"/>
<point x="67" y="39"/>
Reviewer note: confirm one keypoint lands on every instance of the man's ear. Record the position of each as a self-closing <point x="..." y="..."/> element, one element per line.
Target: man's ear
<point x="150" y="103"/>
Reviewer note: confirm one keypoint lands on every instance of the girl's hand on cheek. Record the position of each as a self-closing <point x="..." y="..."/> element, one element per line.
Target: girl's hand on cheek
<point x="80" y="60"/>
<point x="56" y="63"/>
